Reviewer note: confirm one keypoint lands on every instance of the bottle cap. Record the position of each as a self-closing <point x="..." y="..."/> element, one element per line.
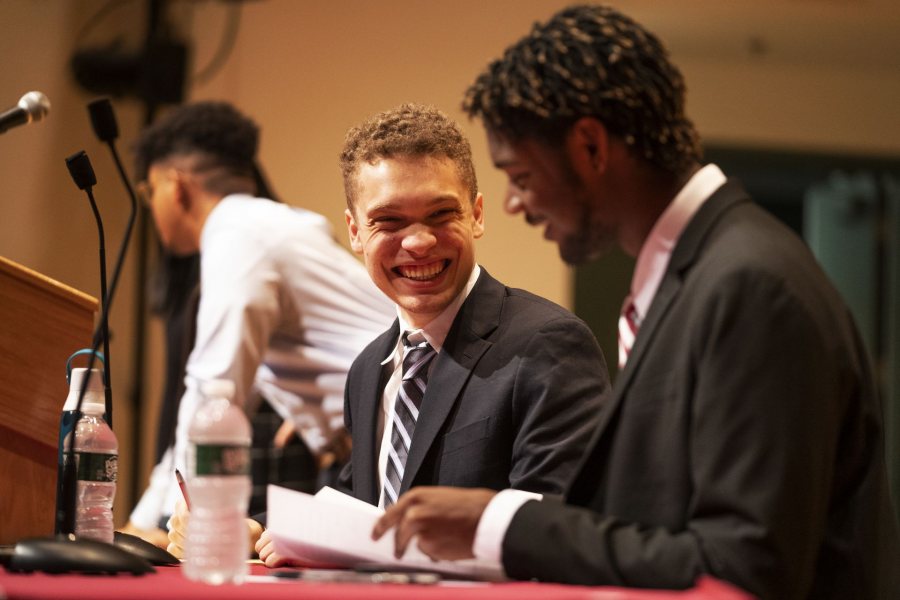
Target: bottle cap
<point x="94" y="399"/>
<point x="217" y="388"/>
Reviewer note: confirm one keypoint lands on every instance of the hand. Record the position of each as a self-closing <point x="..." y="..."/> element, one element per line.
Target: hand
<point x="177" y="525"/>
<point x="444" y="519"/>
<point x="286" y="432"/>
<point x="155" y="536"/>
<point x="266" y="550"/>
<point x="337" y="450"/>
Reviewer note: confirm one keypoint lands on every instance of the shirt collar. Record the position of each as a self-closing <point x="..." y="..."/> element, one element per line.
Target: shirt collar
<point x="657" y="249"/>
<point x="436" y="331"/>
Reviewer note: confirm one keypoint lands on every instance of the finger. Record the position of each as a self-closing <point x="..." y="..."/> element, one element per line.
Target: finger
<point x="265" y="552"/>
<point x="406" y="529"/>
<point x="262" y="542"/>
<point x="387" y="521"/>
<point x="175" y="550"/>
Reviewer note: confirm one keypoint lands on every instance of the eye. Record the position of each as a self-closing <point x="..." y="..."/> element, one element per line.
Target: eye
<point x="444" y="214"/>
<point x="520" y="181"/>
<point x="385" y="222"/>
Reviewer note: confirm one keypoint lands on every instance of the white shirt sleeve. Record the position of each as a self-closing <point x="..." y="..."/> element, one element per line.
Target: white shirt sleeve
<point x="239" y="308"/>
<point x="149" y="509"/>
<point x="494" y="522"/>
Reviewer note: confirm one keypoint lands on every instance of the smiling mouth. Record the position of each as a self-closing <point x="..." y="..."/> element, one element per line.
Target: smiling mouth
<point x="422" y="272"/>
<point x="533" y="219"/>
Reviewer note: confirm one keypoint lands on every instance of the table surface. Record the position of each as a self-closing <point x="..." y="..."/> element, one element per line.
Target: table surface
<point x="168" y="583"/>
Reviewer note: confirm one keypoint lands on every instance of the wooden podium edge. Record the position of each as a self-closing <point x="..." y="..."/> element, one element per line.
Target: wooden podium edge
<point x="32" y="277"/>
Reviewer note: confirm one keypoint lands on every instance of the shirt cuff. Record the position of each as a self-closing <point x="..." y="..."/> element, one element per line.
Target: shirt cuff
<point x="151" y="507"/>
<point x="494" y="522"/>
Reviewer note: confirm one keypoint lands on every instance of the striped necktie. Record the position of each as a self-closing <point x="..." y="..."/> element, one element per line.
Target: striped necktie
<point x="629" y="321"/>
<point x="416" y="359"/>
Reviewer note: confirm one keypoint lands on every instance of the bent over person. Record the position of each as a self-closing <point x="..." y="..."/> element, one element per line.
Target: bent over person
<point x="284" y="309"/>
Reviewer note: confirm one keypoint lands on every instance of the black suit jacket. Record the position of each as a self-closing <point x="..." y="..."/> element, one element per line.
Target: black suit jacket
<point x="512" y="400"/>
<point x="743" y="439"/>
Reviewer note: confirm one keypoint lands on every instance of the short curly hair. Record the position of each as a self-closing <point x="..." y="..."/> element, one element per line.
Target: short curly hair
<point x="589" y="61"/>
<point x="408" y="130"/>
<point x="215" y="131"/>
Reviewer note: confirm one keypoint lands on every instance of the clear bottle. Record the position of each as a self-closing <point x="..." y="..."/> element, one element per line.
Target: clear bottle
<point x="216" y="548"/>
<point x="96" y="459"/>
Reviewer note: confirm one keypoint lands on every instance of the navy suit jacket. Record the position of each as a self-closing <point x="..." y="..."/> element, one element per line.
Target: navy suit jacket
<point x="512" y="399"/>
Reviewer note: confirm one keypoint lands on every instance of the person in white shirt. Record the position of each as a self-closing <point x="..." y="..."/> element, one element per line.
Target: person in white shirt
<point x="744" y="437"/>
<point x="284" y="308"/>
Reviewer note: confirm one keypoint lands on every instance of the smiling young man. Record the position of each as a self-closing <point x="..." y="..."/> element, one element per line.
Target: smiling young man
<point x="512" y="385"/>
<point x="476" y="384"/>
<point x="743" y="439"/>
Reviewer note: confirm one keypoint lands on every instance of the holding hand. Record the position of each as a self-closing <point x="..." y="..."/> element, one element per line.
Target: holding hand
<point x="178" y="524"/>
<point x="445" y="520"/>
<point x="265" y="547"/>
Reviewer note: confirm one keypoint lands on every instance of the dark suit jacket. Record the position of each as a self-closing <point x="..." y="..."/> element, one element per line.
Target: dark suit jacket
<point x="743" y="439"/>
<point x="512" y="400"/>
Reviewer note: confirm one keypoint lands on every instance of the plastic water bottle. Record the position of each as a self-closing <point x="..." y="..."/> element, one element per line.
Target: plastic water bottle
<point x="216" y="548"/>
<point x="96" y="460"/>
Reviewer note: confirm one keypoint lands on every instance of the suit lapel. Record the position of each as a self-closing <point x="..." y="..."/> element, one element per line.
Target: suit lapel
<point x="684" y="255"/>
<point x="478" y="316"/>
<point x="365" y="418"/>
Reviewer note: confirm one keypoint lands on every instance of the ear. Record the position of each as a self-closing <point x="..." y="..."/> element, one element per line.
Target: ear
<point x="181" y="191"/>
<point x="588" y="145"/>
<point x="478" y="216"/>
<point x="353" y="230"/>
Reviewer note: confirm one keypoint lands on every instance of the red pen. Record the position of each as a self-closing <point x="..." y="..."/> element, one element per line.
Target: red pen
<point x="183" y="487"/>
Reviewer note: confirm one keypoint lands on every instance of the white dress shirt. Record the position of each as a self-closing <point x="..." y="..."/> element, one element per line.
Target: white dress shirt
<point x="283" y="308"/>
<point x="651" y="265"/>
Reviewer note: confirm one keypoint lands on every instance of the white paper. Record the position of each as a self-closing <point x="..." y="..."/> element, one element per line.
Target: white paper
<point x="334" y="529"/>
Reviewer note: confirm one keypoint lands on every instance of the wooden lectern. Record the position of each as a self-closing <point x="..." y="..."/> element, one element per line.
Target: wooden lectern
<point x="42" y="322"/>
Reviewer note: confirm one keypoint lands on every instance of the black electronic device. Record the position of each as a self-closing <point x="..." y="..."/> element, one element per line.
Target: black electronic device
<point x="141" y="547"/>
<point x="65" y="554"/>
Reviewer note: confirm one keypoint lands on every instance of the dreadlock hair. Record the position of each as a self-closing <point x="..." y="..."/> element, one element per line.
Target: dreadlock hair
<point x="589" y="61"/>
<point x="409" y="130"/>
<point x="219" y="135"/>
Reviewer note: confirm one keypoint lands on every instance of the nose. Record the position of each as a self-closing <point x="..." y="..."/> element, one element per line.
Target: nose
<point x="513" y="202"/>
<point x="419" y="240"/>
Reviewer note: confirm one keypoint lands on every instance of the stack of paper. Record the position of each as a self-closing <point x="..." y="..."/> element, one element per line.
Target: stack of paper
<point x="334" y="529"/>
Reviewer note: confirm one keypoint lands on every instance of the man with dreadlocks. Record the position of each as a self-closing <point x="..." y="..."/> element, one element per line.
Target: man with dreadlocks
<point x="744" y="436"/>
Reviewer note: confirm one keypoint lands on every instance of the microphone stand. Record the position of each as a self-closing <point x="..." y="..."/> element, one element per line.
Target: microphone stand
<point x="80" y="168"/>
<point x="70" y="479"/>
<point x="103" y="121"/>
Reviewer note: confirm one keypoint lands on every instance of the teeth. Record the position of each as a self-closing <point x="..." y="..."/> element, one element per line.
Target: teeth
<point x="422" y="272"/>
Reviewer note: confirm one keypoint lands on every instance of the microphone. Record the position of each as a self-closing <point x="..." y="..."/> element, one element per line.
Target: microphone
<point x="33" y="106"/>
<point x="83" y="175"/>
<point x="104" y="122"/>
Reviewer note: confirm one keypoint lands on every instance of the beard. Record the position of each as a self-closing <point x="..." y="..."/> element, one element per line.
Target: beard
<point x="590" y="242"/>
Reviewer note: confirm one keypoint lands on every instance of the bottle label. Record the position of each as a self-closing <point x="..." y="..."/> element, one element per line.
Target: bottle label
<point x="92" y="466"/>
<point x="220" y="459"/>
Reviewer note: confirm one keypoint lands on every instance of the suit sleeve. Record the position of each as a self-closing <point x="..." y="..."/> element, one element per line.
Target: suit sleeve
<point x="344" y="481"/>
<point x="768" y="382"/>
<point x="560" y="387"/>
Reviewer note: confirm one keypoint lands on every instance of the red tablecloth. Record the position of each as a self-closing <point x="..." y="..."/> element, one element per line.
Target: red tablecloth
<point x="168" y="583"/>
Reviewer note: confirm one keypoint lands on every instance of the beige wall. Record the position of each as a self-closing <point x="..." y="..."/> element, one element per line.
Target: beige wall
<point x="817" y="74"/>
